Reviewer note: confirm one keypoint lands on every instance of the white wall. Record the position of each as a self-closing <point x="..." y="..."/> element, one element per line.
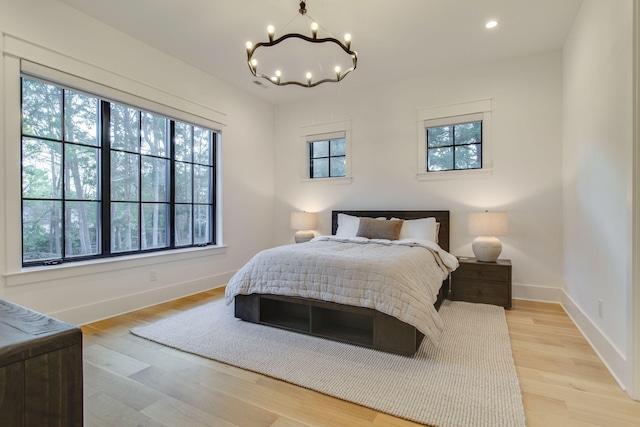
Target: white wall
<point x="56" y="35"/>
<point x="526" y="179"/>
<point x="597" y="169"/>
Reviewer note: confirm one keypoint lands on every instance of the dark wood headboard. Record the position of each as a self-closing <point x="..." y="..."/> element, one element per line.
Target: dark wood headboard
<point x="441" y="216"/>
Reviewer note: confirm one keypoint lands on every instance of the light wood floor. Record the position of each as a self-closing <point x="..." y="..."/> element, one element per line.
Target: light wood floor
<point x="130" y="381"/>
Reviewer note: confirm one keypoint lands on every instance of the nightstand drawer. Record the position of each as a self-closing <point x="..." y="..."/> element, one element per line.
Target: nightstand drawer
<point x="484" y="292"/>
<point x="483" y="272"/>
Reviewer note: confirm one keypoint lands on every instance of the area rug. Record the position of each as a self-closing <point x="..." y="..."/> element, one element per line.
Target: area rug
<point x="469" y="379"/>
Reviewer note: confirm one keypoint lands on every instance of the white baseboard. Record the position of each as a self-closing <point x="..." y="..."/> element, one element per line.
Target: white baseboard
<point x="612" y="358"/>
<point x="101" y="310"/>
<point x="536" y="293"/>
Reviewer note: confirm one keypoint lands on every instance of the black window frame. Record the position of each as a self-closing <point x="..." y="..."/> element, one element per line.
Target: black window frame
<point x="329" y="157"/>
<point x="104" y="198"/>
<point x="453" y="145"/>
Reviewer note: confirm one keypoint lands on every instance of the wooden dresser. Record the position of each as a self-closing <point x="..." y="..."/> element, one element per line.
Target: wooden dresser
<point x="482" y="282"/>
<point x="40" y="370"/>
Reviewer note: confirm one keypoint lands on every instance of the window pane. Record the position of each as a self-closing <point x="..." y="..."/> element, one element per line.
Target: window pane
<point x="202" y="184"/>
<point x="154" y="179"/>
<point x="468" y="157"/>
<point x="81" y="228"/>
<point x="183" y="225"/>
<point x="41" y="109"/>
<point x="124" y="176"/>
<point x="81" y="172"/>
<point x="202" y="230"/>
<point x="440" y="136"/>
<point x="183" y="138"/>
<point x="440" y="159"/>
<point x="320" y="168"/>
<point x="320" y="149"/>
<point x="184" y="189"/>
<point x="468" y="133"/>
<point x="41" y="230"/>
<point x="154" y="135"/>
<point x="338" y="166"/>
<point x="124" y="227"/>
<point x="338" y="147"/>
<point x="154" y="225"/>
<point x="202" y="146"/>
<point x="80" y="118"/>
<point x="41" y="169"/>
<point x="125" y="128"/>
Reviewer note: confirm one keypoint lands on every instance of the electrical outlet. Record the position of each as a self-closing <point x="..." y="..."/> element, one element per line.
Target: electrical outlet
<point x="600" y="303"/>
<point x="153" y="276"/>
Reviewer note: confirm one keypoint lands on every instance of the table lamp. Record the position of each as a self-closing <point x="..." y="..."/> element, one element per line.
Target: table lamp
<point x="304" y="222"/>
<point x="487" y="225"/>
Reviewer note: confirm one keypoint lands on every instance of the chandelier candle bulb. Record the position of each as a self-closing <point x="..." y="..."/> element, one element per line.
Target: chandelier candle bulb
<point x="314" y="29"/>
<point x="271" y="31"/>
<point x="347" y="40"/>
<point x="249" y="47"/>
<point x="337" y="69"/>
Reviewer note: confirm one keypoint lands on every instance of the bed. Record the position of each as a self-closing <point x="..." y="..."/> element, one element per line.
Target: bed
<point x="376" y="293"/>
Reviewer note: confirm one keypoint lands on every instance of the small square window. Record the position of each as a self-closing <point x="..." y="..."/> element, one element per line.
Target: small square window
<point x="327" y="158"/>
<point x="454" y="147"/>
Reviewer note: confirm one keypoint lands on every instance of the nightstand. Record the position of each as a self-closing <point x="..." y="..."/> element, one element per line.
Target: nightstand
<point x="483" y="282"/>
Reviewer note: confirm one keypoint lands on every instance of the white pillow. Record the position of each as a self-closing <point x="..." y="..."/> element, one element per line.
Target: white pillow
<point x="347" y="225"/>
<point x="421" y="229"/>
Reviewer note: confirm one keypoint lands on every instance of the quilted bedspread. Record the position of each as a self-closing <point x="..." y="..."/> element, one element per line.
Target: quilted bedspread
<point x="399" y="278"/>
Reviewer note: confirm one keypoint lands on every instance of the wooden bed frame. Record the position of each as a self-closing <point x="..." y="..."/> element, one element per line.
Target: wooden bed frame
<point x="355" y="325"/>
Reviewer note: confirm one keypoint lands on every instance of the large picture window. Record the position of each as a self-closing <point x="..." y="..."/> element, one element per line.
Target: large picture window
<point x="103" y="179"/>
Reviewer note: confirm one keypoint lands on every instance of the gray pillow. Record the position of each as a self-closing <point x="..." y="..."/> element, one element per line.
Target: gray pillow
<point x="377" y="229"/>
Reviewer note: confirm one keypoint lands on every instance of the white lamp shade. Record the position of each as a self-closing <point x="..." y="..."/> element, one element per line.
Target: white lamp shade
<point x="487" y="223"/>
<point x="304" y="220"/>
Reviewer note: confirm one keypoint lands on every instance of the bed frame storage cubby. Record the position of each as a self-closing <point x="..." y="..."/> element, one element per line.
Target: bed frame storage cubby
<point x="354" y="325"/>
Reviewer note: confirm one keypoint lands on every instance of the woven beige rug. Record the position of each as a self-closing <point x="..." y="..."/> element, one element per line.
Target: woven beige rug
<point x="468" y="380"/>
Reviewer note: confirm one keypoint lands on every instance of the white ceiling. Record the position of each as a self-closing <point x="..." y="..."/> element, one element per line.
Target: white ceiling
<point x="393" y="38"/>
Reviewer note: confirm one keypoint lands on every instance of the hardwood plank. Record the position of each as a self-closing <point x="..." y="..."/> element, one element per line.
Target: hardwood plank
<point x="175" y="413"/>
<point x="563" y="382"/>
<point x="214" y="402"/>
<point x="113" y="361"/>
<point x="105" y="411"/>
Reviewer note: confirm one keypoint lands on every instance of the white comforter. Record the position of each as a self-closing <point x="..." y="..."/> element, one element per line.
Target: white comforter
<point x="400" y="278"/>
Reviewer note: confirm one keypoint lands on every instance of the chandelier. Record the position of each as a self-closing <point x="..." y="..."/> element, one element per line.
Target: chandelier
<point x="301" y="60"/>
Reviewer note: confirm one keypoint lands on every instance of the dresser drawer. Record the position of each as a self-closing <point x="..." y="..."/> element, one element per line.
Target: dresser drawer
<point x="483" y="272"/>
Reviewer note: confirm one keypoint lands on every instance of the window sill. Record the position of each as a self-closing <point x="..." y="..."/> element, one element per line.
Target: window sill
<point x="30" y="275"/>
<point x="459" y="174"/>
<point x="328" y="181"/>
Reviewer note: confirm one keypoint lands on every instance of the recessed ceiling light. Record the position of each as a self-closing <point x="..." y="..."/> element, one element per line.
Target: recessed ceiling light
<point x="491" y="24"/>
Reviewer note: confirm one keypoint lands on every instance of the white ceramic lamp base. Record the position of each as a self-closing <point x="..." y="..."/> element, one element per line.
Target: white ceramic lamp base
<point x="304" y="236"/>
<point x="486" y="249"/>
